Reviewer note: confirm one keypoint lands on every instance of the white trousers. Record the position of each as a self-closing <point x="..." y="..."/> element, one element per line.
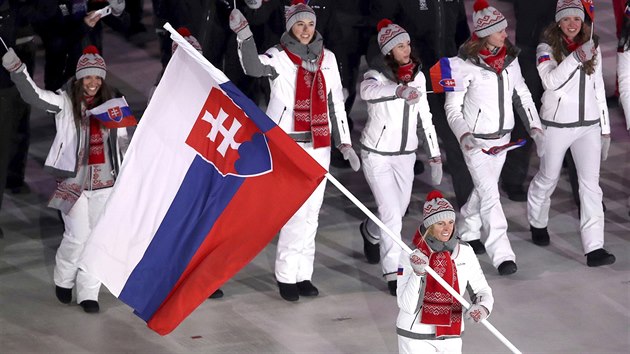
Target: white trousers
<point x="482" y="215"/>
<point x="417" y="346"/>
<point x="391" y="179"/>
<point x="295" y="253"/>
<point x="585" y="145"/>
<point x="78" y="224"/>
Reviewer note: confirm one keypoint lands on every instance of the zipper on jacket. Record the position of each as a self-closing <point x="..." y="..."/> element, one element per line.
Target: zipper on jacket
<point x="557" y="107"/>
<point x="58" y="153"/>
<point x="282" y="115"/>
<point x="476" y="120"/>
<point x="379" y="137"/>
<point x="529" y="110"/>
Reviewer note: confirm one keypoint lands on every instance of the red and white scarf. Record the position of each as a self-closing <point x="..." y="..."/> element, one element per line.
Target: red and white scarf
<point x="97" y="148"/>
<point x="310" y="111"/>
<point x="439" y="308"/>
<point x="495" y="61"/>
<point x="405" y="72"/>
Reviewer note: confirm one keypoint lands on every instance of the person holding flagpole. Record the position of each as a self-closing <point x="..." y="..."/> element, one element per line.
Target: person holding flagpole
<point x="85" y="157"/>
<point x="430" y="319"/>
<point x="575" y="117"/>
<point x="395" y="92"/>
<point x="307" y="103"/>
<point x="481" y="117"/>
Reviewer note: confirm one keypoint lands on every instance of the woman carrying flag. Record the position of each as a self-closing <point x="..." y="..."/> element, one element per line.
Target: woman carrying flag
<point x="481" y="117"/>
<point x="85" y="157"/>
<point x="430" y="319"/>
<point x="575" y="117"/>
<point x="307" y="103"/>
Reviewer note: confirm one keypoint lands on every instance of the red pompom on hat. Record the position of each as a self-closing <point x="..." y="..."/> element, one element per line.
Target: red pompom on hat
<point x="486" y="19"/>
<point x="480" y="5"/>
<point x="383" y="23"/>
<point x="91" y="63"/>
<point x="185" y="32"/>
<point x="390" y="35"/>
<point x="436" y="208"/>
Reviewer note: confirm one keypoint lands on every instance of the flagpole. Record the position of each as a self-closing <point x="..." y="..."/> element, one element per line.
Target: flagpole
<point x="429" y="270"/>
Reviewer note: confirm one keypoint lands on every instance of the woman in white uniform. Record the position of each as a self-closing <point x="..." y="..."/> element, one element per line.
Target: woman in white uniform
<point x="307" y="103"/>
<point x="430" y="319"/>
<point x="481" y="117"/>
<point x="395" y="93"/>
<point x="575" y="117"/>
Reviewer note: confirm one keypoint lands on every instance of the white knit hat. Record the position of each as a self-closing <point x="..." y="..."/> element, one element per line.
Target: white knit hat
<point x="436" y="208"/>
<point x="566" y="8"/>
<point x="486" y="19"/>
<point x="299" y="11"/>
<point x="390" y="35"/>
<point x="91" y="63"/>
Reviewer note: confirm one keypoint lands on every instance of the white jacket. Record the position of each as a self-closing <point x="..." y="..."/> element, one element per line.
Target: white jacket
<point x="623" y="76"/>
<point x="282" y="73"/>
<point x="391" y="125"/>
<point x="411" y="290"/>
<point x="62" y="157"/>
<point x="484" y="107"/>
<point x="571" y="98"/>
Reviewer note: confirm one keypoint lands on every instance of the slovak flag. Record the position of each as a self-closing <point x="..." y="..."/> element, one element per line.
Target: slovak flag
<point x="589" y="8"/>
<point x="114" y="113"/>
<point x="442" y="78"/>
<point x="207" y="182"/>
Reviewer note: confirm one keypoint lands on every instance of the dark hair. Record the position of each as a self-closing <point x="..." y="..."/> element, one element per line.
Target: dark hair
<point x="472" y="47"/>
<point x="393" y="65"/>
<point x="105" y="92"/>
<point x="554" y="37"/>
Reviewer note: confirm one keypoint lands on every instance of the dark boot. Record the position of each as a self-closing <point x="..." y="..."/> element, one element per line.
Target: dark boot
<point x="306" y="288"/>
<point x="599" y="257"/>
<point x="477" y="246"/>
<point x="371" y="251"/>
<point x="507" y="268"/>
<point x="289" y="292"/>
<point x="90" y="306"/>
<point x="64" y="295"/>
<point x="540" y="236"/>
<point x="392" y="285"/>
<point x="216" y="295"/>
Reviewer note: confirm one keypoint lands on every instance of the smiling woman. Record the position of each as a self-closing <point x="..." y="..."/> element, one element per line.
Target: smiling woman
<point x="307" y="103"/>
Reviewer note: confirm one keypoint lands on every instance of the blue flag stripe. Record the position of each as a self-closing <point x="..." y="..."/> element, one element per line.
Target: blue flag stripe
<point x="201" y="199"/>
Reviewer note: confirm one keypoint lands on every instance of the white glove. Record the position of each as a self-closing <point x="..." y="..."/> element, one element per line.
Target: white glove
<point x="253" y="4"/>
<point x="476" y="313"/>
<point x="539" y="138"/>
<point x="585" y="52"/>
<point x="118" y="6"/>
<point x="436" y="170"/>
<point x="605" y="146"/>
<point x="11" y="61"/>
<point x="348" y="154"/>
<point x="408" y="93"/>
<point x="239" y="24"/>
<point x="469" y="142"/>
<point x="419" y="261"/>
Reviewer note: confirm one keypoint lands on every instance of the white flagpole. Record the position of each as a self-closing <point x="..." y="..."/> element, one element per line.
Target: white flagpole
<point x="406" y="248"/>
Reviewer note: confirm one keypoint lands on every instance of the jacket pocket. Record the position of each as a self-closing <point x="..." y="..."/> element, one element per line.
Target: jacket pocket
<point x="476" y="121"/>
<point x="556" y="111"/>
<point x="380" y="136"/>
<point x="58" y="154"/>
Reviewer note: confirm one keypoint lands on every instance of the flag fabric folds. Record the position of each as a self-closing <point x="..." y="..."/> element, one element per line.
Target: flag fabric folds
<point x="114" y="113"/>
<point x="207" y="182"/>
<point x="443" y="78"/>
<point x="589" y="8"/>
